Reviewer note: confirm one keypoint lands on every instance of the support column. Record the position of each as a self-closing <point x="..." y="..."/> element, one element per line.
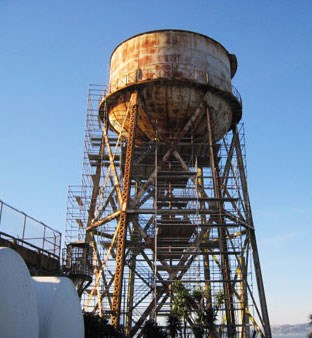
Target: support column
<point x="207" y="276"/>
<point x="225" y="265"/>
<point x="123" y="219"/>
<point x="252" y="236"/>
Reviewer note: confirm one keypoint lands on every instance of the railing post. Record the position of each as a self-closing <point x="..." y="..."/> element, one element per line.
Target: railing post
<point x="44" y="234"/>
<point x="24" y="226"/>
<point x="1" y="207"/>
<point x="60" y="244"/>
<point x="54" y="244"/>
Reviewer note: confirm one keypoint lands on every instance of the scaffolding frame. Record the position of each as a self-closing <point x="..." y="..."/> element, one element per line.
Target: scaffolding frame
<point x="156" y="212"/>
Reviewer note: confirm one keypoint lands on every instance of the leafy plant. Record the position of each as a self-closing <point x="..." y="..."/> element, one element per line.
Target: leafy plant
<point x="152" y="330"/>
<point x="195" y="310"/>
<point x="310" y="323"/>
<point x="98" y="327"/>
<point x="174" y="325"/>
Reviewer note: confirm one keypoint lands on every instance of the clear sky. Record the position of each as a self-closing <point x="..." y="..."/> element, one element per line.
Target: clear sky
<point x="50" y="51"/>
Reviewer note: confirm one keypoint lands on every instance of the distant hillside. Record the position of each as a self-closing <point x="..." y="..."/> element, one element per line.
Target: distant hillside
<point x="291" y="330"/>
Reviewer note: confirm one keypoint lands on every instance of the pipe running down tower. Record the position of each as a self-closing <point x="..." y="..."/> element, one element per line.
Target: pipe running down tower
<point x="165" y="199"/>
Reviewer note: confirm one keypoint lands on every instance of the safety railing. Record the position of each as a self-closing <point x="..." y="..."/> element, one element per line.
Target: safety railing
<point x="175" y="71"/>
<point x="28" y="231"/>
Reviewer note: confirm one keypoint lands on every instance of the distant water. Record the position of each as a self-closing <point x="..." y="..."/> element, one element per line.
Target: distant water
<point x="291" y="336"/>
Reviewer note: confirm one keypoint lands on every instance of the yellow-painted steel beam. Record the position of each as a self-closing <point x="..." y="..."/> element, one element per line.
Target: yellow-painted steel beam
<point x="122" y="224"/>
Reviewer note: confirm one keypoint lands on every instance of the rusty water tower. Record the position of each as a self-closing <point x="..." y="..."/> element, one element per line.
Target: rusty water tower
<point x="164" y="199"/>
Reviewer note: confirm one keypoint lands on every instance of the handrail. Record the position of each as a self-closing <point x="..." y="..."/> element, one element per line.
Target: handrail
<point x="50" y="238"/>
<point x="174" y="71"/>
<point x="24" y="243"/>
<point x="237" y="94"/>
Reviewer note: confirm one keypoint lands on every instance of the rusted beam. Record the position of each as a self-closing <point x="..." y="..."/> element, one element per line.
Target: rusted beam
<point x="120" y="254"/>
<point x="104" y="220"/>
<point x="263" y="303"/>
<point x="226" y="272"/>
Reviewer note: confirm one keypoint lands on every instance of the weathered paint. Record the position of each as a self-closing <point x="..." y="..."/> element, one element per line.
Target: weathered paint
<point x="173" y="70"/>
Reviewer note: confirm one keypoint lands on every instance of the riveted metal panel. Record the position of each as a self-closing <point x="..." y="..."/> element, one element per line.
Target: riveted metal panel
<point x="174" y="71"/>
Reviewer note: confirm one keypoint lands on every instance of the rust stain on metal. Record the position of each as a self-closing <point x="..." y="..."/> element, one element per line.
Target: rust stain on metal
<point x="173" y="71"/>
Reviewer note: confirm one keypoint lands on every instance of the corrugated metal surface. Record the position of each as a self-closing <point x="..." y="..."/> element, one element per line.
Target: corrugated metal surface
<point x="172" y="70"/>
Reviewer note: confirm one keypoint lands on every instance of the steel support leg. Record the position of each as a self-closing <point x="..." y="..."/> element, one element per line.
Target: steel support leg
<point x="123" y="219"/>
<point x="228" y="296"/>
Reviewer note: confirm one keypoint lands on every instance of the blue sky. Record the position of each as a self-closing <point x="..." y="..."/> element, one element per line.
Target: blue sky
<point x="50" y="51"/>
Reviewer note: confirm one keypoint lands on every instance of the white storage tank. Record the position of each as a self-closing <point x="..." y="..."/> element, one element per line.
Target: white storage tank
<point x="60" y="314"/>
<point x="18" y="308"/>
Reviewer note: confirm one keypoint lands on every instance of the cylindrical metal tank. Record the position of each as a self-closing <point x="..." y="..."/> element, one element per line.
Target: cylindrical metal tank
<point x="18" y="307"/>
<point x="59" y="309"/>
<point x="173" y="71"/>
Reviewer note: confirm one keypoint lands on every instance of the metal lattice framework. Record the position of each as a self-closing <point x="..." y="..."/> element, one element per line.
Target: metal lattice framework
<point x="158" y="212"/>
